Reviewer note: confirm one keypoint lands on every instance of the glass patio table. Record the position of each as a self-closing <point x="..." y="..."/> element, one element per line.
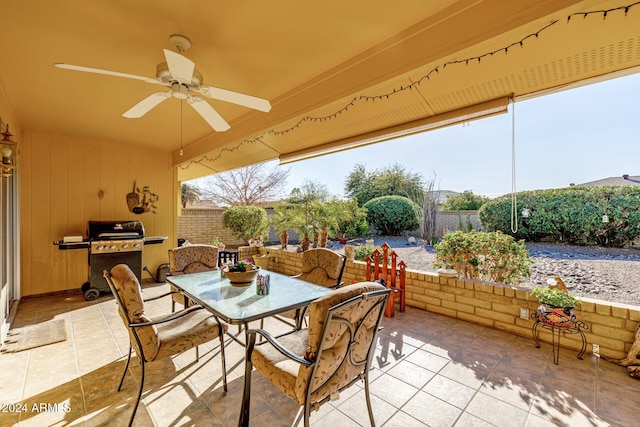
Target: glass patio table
<point x="241" y="305"/>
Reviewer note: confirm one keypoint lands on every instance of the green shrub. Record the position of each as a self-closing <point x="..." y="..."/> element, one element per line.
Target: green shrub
<point x="246" y="222"/>
<point x="465" y="201"/>
<point x="569" y="215"/>
<point x="391" y="215"/>
<point x="467" y="225"/>
<point x="363" y="251"/>
<point x="554" y="297"/>
<point x="351" y="219"/>
<point x="492" y="257"/>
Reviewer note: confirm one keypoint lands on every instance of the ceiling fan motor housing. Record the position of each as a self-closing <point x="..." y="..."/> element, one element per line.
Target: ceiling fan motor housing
<point x="163" y="74"/>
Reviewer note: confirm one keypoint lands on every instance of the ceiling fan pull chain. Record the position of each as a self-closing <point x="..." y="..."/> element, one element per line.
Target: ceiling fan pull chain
<point x="181" y="102"/>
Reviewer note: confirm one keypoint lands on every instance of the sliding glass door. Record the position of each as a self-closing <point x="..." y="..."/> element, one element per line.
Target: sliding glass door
<point x="9" y="249"/>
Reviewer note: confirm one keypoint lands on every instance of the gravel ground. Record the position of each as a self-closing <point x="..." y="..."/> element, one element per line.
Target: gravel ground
<point x="600" y="273"/>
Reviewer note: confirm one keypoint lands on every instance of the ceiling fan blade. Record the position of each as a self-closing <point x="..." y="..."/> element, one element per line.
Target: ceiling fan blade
<point x="236" y="98"/>
<point x="179" y="66"/>
<point x="207" y="112"/>
<point x="144" y="106"/>
<point x="107" y="73"/>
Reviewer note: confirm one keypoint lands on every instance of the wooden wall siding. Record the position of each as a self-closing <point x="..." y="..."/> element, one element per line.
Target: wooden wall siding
<point x="60" y="180"/>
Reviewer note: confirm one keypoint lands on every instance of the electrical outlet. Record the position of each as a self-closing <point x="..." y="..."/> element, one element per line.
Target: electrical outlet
<point x="524" y="313"/>
<point x="596" y="350"/>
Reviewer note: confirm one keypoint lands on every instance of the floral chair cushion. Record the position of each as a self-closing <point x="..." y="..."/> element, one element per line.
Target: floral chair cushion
<point x="322" y="266"/>
<point x="128" y="288"/>
<point x="186" y="332"/>
<point x="192" y="259"/>
<point x="331" y="373"/>
<point x="335" y="367"/>
<point x="280" y="370"/>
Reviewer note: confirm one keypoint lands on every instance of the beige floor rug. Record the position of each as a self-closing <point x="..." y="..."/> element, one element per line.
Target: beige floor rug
<point x="34" y="336"/>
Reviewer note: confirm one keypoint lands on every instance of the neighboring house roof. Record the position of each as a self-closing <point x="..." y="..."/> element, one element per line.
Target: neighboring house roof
<point x="210" y="204"/>
<point x="614" y="180"/>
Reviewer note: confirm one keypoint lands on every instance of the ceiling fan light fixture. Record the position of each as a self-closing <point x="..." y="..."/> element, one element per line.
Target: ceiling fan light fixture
<point x="179" y="91"/>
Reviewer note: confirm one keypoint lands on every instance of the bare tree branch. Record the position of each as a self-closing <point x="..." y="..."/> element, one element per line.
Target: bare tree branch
<point x="252" y="185"/>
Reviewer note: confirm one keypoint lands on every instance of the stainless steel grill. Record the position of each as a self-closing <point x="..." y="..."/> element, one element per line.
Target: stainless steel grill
<point x="111" y="243"/>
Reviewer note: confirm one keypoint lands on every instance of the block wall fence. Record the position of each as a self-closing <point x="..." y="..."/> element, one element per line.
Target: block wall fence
<point x="450" y="221"/>
<point x="611" y="325"/>
<point x="203" y="225"/>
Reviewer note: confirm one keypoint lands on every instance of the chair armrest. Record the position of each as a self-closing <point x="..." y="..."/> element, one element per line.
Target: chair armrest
<point x="161" y="296"/>
<point x="274" y="342"/>
<point x="339" y="285"/>
<point x="169" y="317"/>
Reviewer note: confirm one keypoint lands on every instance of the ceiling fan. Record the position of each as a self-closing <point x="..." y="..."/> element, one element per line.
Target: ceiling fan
<point x="184" y="81"/>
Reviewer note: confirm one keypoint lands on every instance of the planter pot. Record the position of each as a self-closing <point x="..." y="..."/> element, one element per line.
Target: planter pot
<point x="262" y="261"/>
<point x="242" y="278"/>
<point x="342" y="240"/>
<point x="350" y="252"/>
<point x="562" y="317"/>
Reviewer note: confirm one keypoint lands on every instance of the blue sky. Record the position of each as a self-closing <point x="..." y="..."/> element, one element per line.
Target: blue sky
<point x="573" y="136"/>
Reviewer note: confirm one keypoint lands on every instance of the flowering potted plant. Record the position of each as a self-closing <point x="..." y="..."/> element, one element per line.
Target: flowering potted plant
<point x="239" y="266"/>
<point x="241" y="273"/>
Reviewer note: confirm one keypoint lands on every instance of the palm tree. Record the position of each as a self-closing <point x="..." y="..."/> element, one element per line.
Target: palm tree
<point x="189" y="194"/>
<point x="327" y="215"/>
<point x="281" y="221"/>
<point x="302" y="216"/>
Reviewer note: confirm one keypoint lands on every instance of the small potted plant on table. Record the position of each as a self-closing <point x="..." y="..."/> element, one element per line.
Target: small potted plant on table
<point x="241" y="273"/>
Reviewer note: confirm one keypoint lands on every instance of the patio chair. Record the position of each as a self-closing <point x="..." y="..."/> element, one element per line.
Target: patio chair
<point x="313" y="365"/>
<point x="192" y="258"/>
<point x="164" y="336"/>
<point x="320" y="266"/>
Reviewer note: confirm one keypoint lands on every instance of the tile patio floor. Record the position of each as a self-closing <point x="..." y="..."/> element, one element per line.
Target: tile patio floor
<point x="428" y="370"/>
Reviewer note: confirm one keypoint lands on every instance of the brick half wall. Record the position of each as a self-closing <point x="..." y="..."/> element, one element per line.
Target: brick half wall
<point x="611" y="325"/>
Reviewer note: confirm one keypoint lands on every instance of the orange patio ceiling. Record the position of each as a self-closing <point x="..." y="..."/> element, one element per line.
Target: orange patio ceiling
<point x="335" y="72"/>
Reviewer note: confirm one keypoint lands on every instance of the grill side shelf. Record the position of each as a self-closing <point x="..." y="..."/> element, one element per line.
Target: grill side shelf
<point x="154" y="240"/>
<point x="63" y="246"/>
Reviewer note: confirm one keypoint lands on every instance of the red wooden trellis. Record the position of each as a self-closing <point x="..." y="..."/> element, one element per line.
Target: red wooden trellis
<point x="394" y="276"/>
